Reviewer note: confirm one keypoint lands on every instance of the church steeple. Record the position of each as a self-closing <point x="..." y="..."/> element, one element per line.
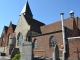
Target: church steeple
<point x="26" y="10"/>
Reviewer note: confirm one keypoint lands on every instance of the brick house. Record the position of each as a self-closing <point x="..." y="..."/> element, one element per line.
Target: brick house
<point x="47" y="39"/>
<point x="5" y="37"/>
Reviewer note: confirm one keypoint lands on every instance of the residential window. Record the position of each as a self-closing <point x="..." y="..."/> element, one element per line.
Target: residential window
<point x="52" y="41"/>
<point x="9" y="41"/>
<point x="19" y="39"/>
<point x="35" y="44"/>
<point x="3" y="41"/>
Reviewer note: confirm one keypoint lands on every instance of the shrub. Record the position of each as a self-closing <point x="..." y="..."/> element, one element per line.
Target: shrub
<point x="16" y="57"/>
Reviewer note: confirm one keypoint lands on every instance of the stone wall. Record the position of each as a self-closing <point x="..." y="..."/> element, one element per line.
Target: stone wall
<point x="23" y="28"/>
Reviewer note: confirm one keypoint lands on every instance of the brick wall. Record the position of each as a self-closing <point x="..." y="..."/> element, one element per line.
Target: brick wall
<point x="4" y="34"/>
<point x="44" y="48"/>
<point x="73" y="47"/>
<point x="75" y="29"/>
<point x="10" y="31"/>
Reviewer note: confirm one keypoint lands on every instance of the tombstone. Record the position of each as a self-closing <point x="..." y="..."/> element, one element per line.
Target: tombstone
<point x="26" y="53"/>
<point x="14" y="51"/>
<point x="55" y="54"/>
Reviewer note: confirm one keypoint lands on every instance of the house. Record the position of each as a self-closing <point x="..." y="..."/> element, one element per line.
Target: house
<point x="5" y="37"/>
<point x="47" y="39"/>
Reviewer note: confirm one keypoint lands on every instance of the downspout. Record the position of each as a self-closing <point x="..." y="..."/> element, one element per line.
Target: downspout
<point x="63" y="34"/>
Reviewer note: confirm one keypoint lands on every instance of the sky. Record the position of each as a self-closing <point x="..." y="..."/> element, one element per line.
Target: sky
<point x="46" y="11"/>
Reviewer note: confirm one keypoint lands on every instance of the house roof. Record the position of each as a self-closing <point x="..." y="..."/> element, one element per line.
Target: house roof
<point x="35" y="24"/>
<point x="6" y="28"/>
<point x="13" y="26"/>
<point x="57" y="26"/>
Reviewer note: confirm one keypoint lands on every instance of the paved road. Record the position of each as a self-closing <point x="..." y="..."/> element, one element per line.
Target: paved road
<point x="4" y="58"/>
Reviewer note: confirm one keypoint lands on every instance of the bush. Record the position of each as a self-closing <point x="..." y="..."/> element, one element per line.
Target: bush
<point x="16" y="57"/>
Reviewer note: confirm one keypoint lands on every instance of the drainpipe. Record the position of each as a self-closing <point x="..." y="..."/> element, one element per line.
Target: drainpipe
<point x="63" y="33"/>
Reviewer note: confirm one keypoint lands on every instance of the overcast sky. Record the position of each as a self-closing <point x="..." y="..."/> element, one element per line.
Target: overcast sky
<point x="46" y="11"/>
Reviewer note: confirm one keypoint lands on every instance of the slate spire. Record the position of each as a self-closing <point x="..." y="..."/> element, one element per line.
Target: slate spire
<point x="26" y="10"/>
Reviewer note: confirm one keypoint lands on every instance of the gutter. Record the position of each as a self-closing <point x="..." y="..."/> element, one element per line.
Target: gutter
<point x="63" y="34"/>
<point x="78" y="37"/>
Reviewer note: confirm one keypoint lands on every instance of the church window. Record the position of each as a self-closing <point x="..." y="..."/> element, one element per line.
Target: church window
<point x="52" y="41"/>
<point x="19" y="39"/>
<point x="35" y="44"/>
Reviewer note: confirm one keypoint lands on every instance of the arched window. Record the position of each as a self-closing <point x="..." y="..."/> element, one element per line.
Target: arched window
<point x="29" y="36"/>
<point x="9" y="41"/>
<point x="35" y="43"/>
<point x="52" y="41"/>
<point x="19" y="39"/>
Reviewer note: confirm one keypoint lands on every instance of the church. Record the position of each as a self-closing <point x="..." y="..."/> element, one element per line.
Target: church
<point x="60" y="38"/>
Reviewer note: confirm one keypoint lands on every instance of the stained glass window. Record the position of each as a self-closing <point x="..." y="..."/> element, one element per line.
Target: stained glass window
<point x="35" y="44"/>
<point x="19" y="39"/>
<point x="52" y="41"/>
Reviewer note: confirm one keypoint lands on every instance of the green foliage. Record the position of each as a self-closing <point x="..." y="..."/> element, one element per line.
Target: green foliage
<point x="16" y="57"/>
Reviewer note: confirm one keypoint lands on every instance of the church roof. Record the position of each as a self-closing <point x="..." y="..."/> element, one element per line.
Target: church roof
<point x="35" y="24"/>
<point x="26" y="10"/>
<point x="57" y="26"/>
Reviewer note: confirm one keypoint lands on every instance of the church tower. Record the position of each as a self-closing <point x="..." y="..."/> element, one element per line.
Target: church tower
<point x="26" y="10"/>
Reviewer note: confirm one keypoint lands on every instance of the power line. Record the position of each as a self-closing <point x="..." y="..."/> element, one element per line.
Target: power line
<point x="69" y="5"/>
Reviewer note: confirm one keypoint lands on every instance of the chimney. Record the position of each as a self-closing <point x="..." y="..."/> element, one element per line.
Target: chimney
<point x="71" y="14"/>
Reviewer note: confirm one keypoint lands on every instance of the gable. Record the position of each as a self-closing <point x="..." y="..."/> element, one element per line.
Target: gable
<point x="4" y="32"/>
<point x="10" y="29"/>
<point x="22" y="26"/>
